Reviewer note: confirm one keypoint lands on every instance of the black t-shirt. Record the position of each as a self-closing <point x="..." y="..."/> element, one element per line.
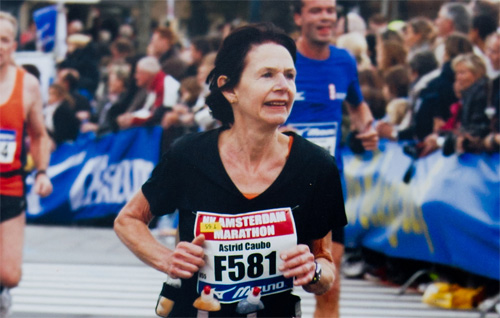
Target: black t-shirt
<point x="191" y="177"/>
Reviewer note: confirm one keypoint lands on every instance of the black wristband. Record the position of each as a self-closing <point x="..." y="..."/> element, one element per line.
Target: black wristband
<point x="39" y="172"/>
<point x="317" y="274"/>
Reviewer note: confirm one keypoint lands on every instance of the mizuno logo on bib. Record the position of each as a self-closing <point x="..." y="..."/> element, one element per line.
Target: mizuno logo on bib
<point x="242" y="251"/>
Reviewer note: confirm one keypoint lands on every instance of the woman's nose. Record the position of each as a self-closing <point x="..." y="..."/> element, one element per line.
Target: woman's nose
<point x="281" y="83"/>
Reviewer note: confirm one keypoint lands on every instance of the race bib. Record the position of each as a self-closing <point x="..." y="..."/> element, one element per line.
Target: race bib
<point x="321" y="134"/>
<point x="242" y="251"/>
<point x="8" y="145"/>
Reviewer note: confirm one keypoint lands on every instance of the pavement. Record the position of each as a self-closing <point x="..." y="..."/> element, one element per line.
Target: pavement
<point x="84" y="272"/>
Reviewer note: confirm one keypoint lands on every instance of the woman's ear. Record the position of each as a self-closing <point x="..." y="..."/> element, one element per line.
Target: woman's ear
<point x="228" y="93"/>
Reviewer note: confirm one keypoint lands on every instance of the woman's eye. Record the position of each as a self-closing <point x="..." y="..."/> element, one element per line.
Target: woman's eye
<point x="290" y="76"/>
<point x="267" y="74"/>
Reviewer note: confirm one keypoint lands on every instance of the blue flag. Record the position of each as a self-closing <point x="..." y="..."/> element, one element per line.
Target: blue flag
<point x="46" y="21"/>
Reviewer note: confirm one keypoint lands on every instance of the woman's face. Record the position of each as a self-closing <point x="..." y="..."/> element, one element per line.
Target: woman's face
<point x="266" y="90"/>
<point x="493" y="52"/>
<point x="53" y="96"/>
<point x="464" y="77"/>
<point x="410" y="37"/>
<point x="115" y="85"/>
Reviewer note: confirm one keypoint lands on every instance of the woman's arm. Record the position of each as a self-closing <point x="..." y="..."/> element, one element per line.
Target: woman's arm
<point x="299" y="262"/>
<point x="131" y="226"/>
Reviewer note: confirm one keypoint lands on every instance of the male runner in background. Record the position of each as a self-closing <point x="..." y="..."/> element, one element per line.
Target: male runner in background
<point x="326" y="76"/>
<point x="20" y="108"/>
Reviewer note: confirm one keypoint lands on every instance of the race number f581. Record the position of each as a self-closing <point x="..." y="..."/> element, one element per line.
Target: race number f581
<point x="242" y="251"/>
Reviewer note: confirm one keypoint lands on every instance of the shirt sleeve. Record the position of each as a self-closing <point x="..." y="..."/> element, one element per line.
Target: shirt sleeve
<point x="163" y="186"/>
<point x="328" y="202"/>
<point x="354" y="95"/>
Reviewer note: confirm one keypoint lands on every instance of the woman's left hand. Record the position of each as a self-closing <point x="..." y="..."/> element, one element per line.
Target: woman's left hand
<point x="298" y="262"/>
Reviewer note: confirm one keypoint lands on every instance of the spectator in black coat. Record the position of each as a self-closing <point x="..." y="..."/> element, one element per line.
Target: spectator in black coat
<point x="83" y="56"/>
<point x="60" y="117"/>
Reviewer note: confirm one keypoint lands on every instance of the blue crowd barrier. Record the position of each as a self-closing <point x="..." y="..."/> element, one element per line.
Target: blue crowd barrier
<point x="449" y="212"/>
<point x="94" y="177"/>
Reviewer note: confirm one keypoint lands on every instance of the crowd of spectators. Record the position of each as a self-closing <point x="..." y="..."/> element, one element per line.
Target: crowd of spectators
<point x="431" y="84"/>
<point x="407" y="73"/>
<point x="103" y="85"/>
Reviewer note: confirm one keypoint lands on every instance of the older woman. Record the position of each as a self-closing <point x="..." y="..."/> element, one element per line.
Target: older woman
<point x="419" y="35"/>
<point x="469" y="123"/>
<point x="256" y="205"/>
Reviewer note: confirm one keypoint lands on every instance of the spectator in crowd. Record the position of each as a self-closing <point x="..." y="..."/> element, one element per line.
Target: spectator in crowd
<point x="371" y="78"/>
<point x="396" y="87"/>
<point x="200" y="46"/>
<point x="371" y="87"/>
<point x="75" y="27"/>
<point x="482" y="26"/>
<point x="377" y="22"/>
<point x="27" y="40"/>
<point x="112" y="103"/>
<point x="419" y="35"/>
<point x="69" y="79"/>
<point x="202" y="114"/>
<point x="442" y="86"/>
<point x="389" y="54"/>
<point x="180" y="120"/>
<point x="470" y="124"/>
<point x="126" y="31"/>
<point x="488" y="7"/>
<point x="390" y="35"/>
<point x="60" y="116"/>
<point x="121" y="50"/>
<point x="423" y="68"/>
<point x="159" y="92"/>
<point x="452" y="18"/>
<point x="352" y="22"/>
<point x="82" y="56"/>
<point x="375" y="100"/>
<point x="493" y="53"/>
<point x="104" y="40"/>
<point x="164" y="47"/>
<point x="432" y="105"/>
<point x="355" y="43"/>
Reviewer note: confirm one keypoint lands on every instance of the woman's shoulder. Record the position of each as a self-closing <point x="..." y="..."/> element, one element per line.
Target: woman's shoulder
<point x="195" y="146"/>
<point x="195" y="139"/>
<point x="309" y="152"/>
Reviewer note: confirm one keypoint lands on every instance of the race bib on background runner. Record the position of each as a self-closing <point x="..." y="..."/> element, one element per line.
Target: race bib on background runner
<point x="8" y="145"/>
<point x="242" y="251"/>
<point x="321" y="134"/>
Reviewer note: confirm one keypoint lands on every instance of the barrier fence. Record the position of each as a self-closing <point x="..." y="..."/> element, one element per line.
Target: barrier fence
<point x="448" y="213"/>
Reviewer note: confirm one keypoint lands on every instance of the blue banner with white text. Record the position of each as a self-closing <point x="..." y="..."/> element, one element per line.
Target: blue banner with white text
<point x="46" y="22"/>
<point x="94" y="177"/>
<point x="448" y="213"/>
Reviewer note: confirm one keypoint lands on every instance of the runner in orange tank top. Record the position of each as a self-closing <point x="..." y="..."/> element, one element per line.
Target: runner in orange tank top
<point x="20" y="107"/>
<point x="11" y="140"/>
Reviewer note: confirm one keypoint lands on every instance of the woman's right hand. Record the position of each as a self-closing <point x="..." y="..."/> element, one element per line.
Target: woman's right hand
<point x="187" y="258"/>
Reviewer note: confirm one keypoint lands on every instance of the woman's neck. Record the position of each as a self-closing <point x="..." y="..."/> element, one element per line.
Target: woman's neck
<point x="250" y="145"/>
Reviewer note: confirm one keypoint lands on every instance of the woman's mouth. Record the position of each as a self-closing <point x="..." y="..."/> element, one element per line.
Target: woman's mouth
<point x="276" y="104"/>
